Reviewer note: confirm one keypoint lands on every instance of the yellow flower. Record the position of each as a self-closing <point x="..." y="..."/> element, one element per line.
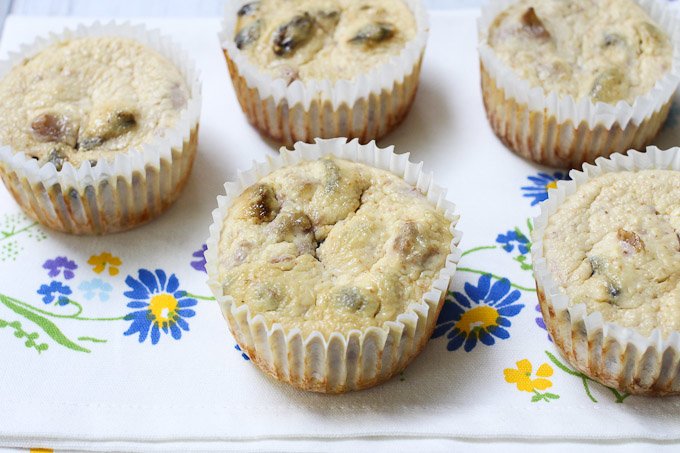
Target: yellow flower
<point x="551" y="185"/>
<point x="522" y="376"/>
<point x="101" y="261"/>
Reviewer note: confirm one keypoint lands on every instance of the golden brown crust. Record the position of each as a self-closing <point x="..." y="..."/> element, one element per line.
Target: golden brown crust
<point x="596" y="369"/>
<point x="544" y="140"/>
<point x="89" y="212"/>
<point x="364" y="120"/>
<point x="322" y="386"/>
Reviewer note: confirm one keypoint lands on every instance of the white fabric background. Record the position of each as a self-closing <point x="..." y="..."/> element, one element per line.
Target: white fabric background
<point x="199" y="391"/>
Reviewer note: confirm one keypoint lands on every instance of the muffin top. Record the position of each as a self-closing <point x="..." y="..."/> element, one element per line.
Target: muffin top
<point x="606" y="50"/>
<point x="322" y="39"/>
<point x="331" y="246"/>
<point x="85" y="98"/>
<point x="614" y="245"/>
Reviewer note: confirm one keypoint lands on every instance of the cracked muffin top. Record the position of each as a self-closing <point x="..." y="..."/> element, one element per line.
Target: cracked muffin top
<point x="330" y="246"/>
<point x="85" y="98"/>
<point x="606" y="50"/>
<point x="322" y="39"/>
<point x="614" y="245"/>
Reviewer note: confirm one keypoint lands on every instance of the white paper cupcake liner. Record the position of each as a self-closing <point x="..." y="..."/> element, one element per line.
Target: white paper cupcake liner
<point x="366" y="108"/>
<point x="114" y="195"/>
<point x="339" y="363"/>
<point x="616" y="356"/>
<point x="562" y="131"/>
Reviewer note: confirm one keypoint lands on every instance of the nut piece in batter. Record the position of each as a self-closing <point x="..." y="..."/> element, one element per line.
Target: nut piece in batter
<point x="606" y="50"/>
<point x="322" y="39"/>
<point x="614" y="245"/>
<point x="331" y="246"/>
<point x="85" y="99"/>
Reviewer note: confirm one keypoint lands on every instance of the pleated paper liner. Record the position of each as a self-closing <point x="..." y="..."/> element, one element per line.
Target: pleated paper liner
<point x="616" y="356"/>
<point x="114" y="195"/>
<point x="562" y="131"/>
<point x="366" y="108"/>
<point x="339" y="363"/>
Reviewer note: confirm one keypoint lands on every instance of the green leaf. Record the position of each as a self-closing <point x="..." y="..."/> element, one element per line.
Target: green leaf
<point x="46" y="325"/>
<point x="552" y="396"/>
<point x="536" y="398"/>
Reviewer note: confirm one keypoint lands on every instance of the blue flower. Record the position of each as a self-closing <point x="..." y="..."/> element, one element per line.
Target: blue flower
<point x="540" y="185"/>
<point x="243" y="354"/>
<point x="58" y="264"/>
<point x="161" y="306"/>
<point x="478" y="315"/>
<point x="96" y="287"/>
<point x="512" y="238"/>
<point x="48" y="292"/>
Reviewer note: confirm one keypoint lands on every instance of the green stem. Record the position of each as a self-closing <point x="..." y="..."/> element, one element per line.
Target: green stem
<point x="196" y="296"/>
<point x="620" y="397"/>
<point x="92" y="339"/>
<point x="75" y="316"/>
<point x="46" y="325"/>
<point x="48" y="313"/>
<point x="498" y="277"/>
<point x="477" y="249"/>
<point x="585" y="380"/>
<point x="15" y="232"/>
<point x="562" y="366"/>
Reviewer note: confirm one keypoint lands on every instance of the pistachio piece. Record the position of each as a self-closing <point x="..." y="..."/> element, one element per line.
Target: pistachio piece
<point x="248" y="9"/>
<point x="261" y="205"/>
<point x="248" y="34"/>
<point x="610" y="85"/>
<point x="373" y="33"/>
<point x="293" y="34"/>
<point x="355" y="300"/>
<point x="265" y="298"/>
<point x="533" y="26"/>
<point x="54" y="127"/>
<point x="632" y="243"/>
<point x="613" y="39"/>
<point x="86" y="144"/>
<point x="56" y="157"/>
<point x="106" y="124"/>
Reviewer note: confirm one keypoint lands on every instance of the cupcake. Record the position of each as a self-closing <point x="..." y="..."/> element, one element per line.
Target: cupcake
<point x="566" y="82"/>
<point x="331" y="263"/>
<point x="607" y="266"/>
<point x="303" y="69"/>
<point x="99" y="127"/>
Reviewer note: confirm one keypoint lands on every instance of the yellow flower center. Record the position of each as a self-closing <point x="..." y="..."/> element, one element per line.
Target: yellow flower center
<point x="479" y="317"/>
<point x="551" y="185"/>
<point x="163" y="306"/>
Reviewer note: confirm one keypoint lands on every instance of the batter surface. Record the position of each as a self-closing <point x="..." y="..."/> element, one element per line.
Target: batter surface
<point x="614" y="245"/>
<point x="331" y="246"/>
<point x="607" y="50"/>
<point x="322" y="39"/>
<point x="86" y="98"/>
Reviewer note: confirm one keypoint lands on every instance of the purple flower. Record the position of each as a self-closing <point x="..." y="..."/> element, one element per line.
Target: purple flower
<point x="199" y="264"/>
<point x="48" y="292"/>
<point x="540" y="322"/>
<point x="58" y="264"/>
